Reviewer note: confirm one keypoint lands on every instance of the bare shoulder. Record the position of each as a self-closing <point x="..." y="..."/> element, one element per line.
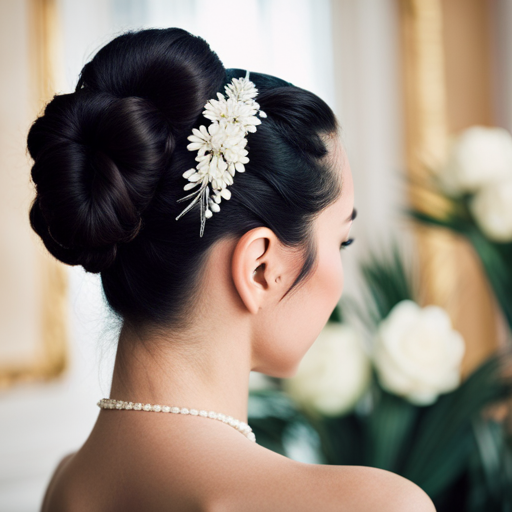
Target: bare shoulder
<point x="256" y="479"/>
<point x="296" y="486"/>
<point x="364" y="489"/>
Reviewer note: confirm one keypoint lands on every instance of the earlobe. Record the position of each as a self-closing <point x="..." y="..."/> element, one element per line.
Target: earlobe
<point x="254" y="260"/>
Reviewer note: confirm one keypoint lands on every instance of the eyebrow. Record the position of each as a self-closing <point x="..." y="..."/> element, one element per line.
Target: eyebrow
<point x="352" y="216"/>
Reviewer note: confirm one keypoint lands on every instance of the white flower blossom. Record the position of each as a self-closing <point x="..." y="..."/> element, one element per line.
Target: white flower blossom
<point x="492" y="209"/>
<point x="333" y="374"/>
<point x="478" y="156"/>
<point x="221" y="147"/>
<point x="200" y="140"/>
<point x="241" y="89"/>
<point x="417" y="354"/>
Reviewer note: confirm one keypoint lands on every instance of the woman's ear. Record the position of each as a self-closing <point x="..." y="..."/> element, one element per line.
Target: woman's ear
<point x="257" y="266"/>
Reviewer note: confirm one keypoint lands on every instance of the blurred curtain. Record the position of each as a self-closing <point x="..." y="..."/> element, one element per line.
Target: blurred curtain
<point x="288" y="38"/>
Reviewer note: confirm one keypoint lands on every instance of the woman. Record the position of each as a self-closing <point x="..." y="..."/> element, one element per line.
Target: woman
<point x="244" y="278"/>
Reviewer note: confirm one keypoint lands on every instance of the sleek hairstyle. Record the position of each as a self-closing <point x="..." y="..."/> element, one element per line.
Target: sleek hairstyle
<point x="109" y="159"/>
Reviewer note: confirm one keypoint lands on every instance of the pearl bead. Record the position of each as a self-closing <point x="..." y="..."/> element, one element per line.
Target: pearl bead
<point x="241" y="426"/>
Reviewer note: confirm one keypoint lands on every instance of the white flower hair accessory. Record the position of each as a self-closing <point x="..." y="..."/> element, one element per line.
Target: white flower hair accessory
<point x="221" y="147"/>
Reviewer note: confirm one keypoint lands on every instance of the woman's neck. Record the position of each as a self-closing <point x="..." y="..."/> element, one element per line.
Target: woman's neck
<point x="209" y="371"/>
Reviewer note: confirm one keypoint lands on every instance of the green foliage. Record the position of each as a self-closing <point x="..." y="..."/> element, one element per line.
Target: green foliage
<point x="386" y="282"/>
<point x="336" y="315"/>
<point x="491" y="469"/>
<point x="444" y="437"/>
<point x="389" y="430"/>
<point x="271" y="414"/>
<point x="496" y="258"/>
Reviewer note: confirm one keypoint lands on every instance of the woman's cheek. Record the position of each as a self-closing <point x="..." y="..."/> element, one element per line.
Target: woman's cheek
<point x="341" y="280"/>
<point x="329" y="282"/>
<point x="334" y="276"/>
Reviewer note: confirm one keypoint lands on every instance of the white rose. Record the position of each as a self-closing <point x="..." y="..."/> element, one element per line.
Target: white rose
<point x="333" y="374"/>
<point x="417" y="354"/>
<point x="478" y="156"/>
<point x="492" y="209"/>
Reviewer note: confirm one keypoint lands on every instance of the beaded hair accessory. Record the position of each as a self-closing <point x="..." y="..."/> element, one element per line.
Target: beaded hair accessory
<point x="221" y="147"/>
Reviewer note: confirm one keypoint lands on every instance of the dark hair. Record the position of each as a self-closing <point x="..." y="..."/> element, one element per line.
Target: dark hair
<point x="109" y="159"/>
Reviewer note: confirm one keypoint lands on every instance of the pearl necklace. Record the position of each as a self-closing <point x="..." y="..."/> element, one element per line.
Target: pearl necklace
<point x="110" y="403"/>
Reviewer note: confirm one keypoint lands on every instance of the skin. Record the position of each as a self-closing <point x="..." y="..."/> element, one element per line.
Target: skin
<point x="155" y="462"/>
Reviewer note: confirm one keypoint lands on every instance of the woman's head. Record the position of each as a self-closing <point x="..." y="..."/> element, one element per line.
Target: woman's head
<point x="108" y="165"/>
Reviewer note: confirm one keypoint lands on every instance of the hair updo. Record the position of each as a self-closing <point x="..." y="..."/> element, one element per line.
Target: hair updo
<point x="108" y="165"/>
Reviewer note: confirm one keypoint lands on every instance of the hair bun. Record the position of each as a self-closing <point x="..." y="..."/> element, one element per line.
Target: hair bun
<point x="99" y="152"/>
<point x="98" y="160"/>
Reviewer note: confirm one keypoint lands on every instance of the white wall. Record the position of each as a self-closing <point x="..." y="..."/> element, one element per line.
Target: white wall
<point x="40" y="423"/>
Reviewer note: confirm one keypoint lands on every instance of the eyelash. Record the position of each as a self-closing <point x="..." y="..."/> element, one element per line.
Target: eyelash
<point x="347" y="243"/>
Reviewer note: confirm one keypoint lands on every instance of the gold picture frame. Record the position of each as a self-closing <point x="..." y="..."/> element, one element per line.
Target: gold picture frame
<point x="50" y="358"/>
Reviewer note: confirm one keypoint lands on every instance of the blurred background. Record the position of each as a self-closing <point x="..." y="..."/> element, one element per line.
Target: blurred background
<point x="404" y="77"/>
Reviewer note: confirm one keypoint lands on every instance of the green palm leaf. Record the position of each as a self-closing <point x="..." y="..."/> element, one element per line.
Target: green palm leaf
<point x="496" y="258"/>
<point x="444" y="439"/>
